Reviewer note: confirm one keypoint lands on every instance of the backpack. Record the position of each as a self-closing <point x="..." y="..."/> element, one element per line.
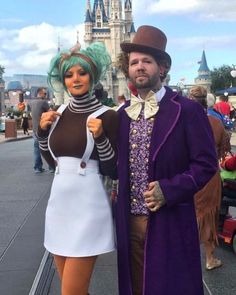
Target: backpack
<point x="228" y="123"/>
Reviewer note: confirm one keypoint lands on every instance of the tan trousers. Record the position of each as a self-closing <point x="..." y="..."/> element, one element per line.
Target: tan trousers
<point x="138" y="225"/>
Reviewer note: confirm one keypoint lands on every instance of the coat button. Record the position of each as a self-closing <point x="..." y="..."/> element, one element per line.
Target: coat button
<point x="83" y="165"/>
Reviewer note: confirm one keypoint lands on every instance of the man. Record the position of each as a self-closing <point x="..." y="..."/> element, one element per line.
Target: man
<point x="166" y="154"/>
<point x="223" y="106"/>
<point x="37" y="107"/>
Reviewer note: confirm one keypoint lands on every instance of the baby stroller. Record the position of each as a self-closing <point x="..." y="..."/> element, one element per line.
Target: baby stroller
<point x="227" y="223"/>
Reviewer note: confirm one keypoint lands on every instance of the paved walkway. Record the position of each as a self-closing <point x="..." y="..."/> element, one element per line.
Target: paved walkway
<point x="21" y="135"/>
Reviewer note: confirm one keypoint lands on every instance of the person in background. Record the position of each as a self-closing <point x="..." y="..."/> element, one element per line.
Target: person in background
<point x="223" y="106"/>
<point x="37" y="107"/>
<point x="210" y="107"/>
<point x="165" y="155"/>
<point x="81" y="139"/>
<point x="208" y="199"/>
<point x="25" y="123"/>
<point x="228" y="176"/>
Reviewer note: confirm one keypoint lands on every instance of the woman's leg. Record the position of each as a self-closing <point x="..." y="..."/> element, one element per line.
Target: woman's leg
<point x="76" y="275"/>
<point x="60" y="263"/>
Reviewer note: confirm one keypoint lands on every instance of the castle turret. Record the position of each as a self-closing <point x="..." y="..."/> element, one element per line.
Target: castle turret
<point x="88" y="24"/>
<point x="99" y="14"/>
<point x="204" y="74"/>
<point x="116" y="28"/>
<point x="107" y="8"/>
<point x="128" y="16"/>
<point x="109" y="23"/>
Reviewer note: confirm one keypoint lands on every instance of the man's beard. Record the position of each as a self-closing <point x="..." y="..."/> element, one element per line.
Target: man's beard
<point x="149" y="83"/>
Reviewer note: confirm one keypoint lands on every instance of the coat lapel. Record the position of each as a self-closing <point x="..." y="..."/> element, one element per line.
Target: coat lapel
<point x="166" y="119"/>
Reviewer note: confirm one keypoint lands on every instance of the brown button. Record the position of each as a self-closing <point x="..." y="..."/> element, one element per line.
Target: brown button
<point x="83" y="165"/>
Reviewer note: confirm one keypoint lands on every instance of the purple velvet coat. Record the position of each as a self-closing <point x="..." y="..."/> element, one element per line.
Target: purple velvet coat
<point x="182" y="159"/>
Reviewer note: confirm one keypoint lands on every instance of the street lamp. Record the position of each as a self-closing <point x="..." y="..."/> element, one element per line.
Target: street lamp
<point x="233" y="73"/>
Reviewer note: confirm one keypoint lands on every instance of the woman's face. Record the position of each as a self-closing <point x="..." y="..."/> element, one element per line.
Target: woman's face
<point x="77" y="81"/>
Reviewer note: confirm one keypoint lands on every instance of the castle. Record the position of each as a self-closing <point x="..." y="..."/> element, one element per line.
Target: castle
<point x="111" y="22"/>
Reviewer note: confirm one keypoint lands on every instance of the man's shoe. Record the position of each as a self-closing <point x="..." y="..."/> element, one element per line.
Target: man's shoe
<point x="39" y="170"/>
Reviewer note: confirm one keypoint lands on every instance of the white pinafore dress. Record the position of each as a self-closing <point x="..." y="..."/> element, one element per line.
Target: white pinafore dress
<point x="78" y="216"/>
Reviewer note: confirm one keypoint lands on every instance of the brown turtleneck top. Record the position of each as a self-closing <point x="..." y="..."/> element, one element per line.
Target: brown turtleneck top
<point x="69" y="136"/>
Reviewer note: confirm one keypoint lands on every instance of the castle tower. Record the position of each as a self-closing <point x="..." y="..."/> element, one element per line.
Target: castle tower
<point x="106" y="6"/>
<point x="116" y="28"/>
<point x="88" y="24"/>
<point x="109" y="23"/>
<point x="128" y="15"/>
<point x="204" y="74"/>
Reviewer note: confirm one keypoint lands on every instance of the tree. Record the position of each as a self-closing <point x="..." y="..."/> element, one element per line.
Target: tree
<point x="221" y="78"/>
<point x="2" y="70"/>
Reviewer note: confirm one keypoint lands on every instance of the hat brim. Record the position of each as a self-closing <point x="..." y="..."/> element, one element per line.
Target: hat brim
<point x="158" y="54"/>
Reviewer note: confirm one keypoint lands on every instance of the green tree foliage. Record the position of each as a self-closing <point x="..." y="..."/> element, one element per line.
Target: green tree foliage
<point x="2" y="70"/>
<point x="221" y="78"/>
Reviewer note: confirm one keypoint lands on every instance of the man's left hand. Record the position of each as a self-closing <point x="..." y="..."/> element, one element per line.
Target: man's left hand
<point x="154" y="198"/>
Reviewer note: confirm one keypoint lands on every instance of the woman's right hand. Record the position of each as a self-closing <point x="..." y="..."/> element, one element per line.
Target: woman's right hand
<point x="47" y="119"/>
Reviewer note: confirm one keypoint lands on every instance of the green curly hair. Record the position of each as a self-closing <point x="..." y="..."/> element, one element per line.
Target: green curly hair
<point x="95" y="60"/>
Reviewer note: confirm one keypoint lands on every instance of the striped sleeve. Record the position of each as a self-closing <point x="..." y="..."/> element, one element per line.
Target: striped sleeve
<point x="105" y="150"/>
<point x="43" y="144"/>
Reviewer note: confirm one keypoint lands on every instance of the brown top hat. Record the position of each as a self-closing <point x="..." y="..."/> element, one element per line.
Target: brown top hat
<point x="150" y="40"/>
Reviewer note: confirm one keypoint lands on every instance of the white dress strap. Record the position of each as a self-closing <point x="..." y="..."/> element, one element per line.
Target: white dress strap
<point x="54" y="124"/>
<point x="90" y="141"/>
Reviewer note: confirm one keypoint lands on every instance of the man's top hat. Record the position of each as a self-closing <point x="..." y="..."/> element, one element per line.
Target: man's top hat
<point x="150" y="40"/>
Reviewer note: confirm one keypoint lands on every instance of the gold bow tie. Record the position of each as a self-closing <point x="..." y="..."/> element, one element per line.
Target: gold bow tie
<point x="150" y="106"/>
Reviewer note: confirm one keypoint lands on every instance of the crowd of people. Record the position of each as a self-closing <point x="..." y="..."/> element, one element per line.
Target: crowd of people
<point x="160" y="149"/>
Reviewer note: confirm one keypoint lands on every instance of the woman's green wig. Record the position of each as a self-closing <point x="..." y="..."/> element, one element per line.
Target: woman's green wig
<point x="95" y="60"/>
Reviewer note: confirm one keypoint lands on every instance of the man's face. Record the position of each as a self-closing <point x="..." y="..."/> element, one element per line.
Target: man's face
<point x="42" y="93"/>
<point x="144" y="73"/>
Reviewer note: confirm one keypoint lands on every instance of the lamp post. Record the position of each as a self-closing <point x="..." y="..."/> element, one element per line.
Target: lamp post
<point x="233" y="73"/>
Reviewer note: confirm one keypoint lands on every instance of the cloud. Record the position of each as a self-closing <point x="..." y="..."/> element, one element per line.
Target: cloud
<point x="30" y="49"/>
<point x="216" y="10"/>
<point x="11" y="20"/>
<point x="200" y="42"/>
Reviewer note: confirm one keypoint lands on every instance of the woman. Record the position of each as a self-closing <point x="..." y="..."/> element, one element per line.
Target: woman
<point x="80" y="138"/>
<point x="208" y="199"/>
<point x="25" y="123"/>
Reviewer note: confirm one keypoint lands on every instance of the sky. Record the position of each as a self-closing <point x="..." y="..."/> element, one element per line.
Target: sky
<point x="30" y="30"/>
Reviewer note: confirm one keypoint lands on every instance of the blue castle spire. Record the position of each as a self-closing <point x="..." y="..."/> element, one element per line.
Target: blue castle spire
<point x="203" y="64"/>
<point x="95" y="6"/>
<point x="204" y="74"/>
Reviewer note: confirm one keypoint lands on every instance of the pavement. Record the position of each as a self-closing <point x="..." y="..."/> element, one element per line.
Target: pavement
<point x="21" y="136"/>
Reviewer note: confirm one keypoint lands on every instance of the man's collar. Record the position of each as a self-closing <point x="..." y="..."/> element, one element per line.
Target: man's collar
<point x="158" y="95"/>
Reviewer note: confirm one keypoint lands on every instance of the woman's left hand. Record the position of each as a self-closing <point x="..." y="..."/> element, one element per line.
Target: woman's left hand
<point x="95" y="127"/>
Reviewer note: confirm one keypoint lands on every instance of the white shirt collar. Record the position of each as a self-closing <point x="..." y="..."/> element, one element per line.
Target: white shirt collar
<point x="159" y="94"/>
